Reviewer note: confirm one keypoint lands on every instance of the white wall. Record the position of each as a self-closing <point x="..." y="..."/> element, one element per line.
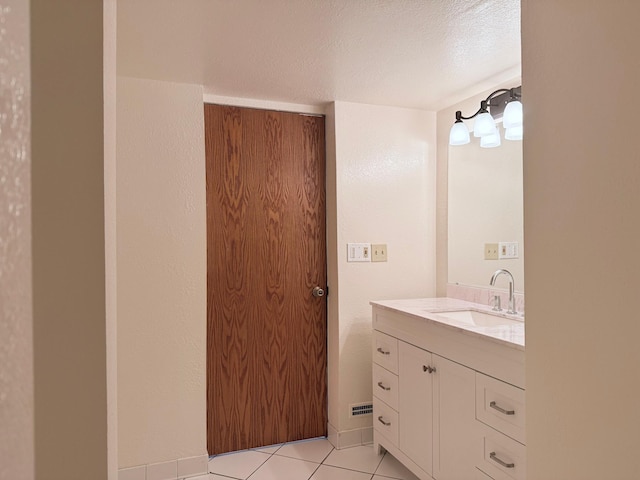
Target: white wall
<point x="161" y="271"/>
<point x="382" y="170"/>
<point x="16" y="321"/>
<point x="582" y="227"/>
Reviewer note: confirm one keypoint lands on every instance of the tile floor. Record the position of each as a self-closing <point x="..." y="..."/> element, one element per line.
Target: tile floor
<point x="307" y="460"/>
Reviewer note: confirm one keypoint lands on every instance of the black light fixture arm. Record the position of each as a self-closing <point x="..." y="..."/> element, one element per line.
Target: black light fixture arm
<point x="487" y="102"/>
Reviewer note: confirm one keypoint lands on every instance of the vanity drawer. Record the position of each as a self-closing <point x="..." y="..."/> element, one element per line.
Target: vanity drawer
<point x="502" y="457"/>
<point x="385" y="351"/>
<point x="385" y="420"/>
<point x="385" y="386"/>
<point x="501" y="406"/>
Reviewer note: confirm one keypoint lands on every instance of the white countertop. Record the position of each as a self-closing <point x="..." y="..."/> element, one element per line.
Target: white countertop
<point x="511" y="333"/>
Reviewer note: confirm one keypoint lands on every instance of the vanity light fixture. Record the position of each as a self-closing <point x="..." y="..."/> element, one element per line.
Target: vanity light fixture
<point x="503" y="103"/>
<point x="491" y="140"/>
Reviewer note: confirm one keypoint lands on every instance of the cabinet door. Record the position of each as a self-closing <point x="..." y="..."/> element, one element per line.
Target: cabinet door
<point x="415" y="402"/>
<point x="455" y="435"/>
<point x="480" y="475"/>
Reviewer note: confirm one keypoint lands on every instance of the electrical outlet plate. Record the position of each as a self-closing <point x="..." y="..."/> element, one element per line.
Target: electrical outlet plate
<point x="491" y="251"/>
<point x="378" y="252"/>
<point x="358" y="252"/>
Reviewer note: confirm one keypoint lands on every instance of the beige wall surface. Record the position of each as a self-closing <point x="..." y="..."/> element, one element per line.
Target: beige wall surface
<point x="68" y="239"/>
<point x="109" y="72"/>
<point x="16" y="336"/>
<point x="384" y="173"/>
<point x="161" y="271"/>
<point x="582" y="225"/>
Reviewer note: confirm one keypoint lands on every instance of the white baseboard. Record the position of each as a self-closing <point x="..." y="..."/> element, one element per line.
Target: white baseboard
<point x="349" y="438"/>
<point x="181" y="468"/>
<point x="192" y="466"/>
<point x="133" y="473"/>
<point x="163" y="470"/>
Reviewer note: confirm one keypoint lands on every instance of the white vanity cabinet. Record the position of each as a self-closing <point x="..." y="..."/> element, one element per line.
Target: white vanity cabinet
<point x="448" y="405"/>
<point x="454" y="432"/>
<point x="436" y="395"/>
<point x="416" y="371"/>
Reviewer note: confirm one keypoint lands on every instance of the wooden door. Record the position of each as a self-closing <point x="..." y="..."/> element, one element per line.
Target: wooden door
<point x="266" y="251"/>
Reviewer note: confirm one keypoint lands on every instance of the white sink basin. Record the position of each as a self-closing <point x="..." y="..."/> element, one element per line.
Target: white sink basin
<point x="475" y="318"/>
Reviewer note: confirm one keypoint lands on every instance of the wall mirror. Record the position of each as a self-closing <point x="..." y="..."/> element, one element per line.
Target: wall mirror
<point x="485" y="206"/>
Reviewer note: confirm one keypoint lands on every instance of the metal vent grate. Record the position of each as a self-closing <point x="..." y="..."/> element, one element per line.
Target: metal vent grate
<point x="359" y="409"/>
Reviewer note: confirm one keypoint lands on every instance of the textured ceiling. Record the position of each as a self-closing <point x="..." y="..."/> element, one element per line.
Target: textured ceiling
<point x="410" y="53"/>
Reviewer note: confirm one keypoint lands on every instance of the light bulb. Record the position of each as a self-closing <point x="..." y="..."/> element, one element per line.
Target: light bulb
<point x="512" y="116"/>
<point x="485" y="125"/>
<point x="459" y="134"/>
<point x="514" y="133"/>
<point x="492" y="140"/>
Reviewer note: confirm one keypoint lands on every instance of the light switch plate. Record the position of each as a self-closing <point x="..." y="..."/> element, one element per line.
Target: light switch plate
<point x="491" y="251"/>
<point x="378" y="252"/>
<point x="358" y="252"/>
<point x="508" y="250"/>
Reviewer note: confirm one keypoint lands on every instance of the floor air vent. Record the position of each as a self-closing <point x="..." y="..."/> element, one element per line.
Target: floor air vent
<point x="361" y="409"/>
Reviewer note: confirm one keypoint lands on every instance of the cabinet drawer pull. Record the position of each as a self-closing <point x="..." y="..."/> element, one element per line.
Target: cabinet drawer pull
<point x="501" y="410"/>
<point x="383" y="387"/>
<point x="495" y="458"/>
<point x="381" y="420"/>
<point x="428" y="368"/>
<point x="383" y="352"/>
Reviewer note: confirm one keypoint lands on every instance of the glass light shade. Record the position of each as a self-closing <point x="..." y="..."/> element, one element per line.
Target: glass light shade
<point x="492" y="140"/>
<point x="512" y="116"/>
<point x="514" y="133"/>
<point x="459" y="134"/>
<point x="485" y="125"/>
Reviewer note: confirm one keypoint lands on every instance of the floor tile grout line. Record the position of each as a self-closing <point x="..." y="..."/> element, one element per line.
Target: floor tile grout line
<point x="380" y="462"/>
<point x="314" y="472"/>
<point x="269" y="455"/>
<point x="357" y="471"/>
<point x="224" y="476"/>
<point x="318" y="465"/>
<point x="327" y="455"/>
<point x="260" y="466"/>
<point x="350" y="469"/>
<point x="321" y="462"/>
<point x="283" y="456"/>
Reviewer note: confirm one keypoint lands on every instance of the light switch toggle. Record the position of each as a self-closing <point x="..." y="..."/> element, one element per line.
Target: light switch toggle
<point x="508" y="250"/>
<point x="358" y="252"/>
<point x="491" y="251"/>
<point x="378" y="252"/>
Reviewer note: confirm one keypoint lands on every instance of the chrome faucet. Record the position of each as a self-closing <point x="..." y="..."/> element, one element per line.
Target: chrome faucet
<point x="512" y="299"/>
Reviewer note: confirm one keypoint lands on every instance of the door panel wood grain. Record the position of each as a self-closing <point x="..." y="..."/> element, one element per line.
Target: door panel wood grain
<point x="266" y="333"/>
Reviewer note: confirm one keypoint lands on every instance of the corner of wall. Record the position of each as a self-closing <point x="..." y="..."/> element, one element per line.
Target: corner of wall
<point x="333" y="335"/>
